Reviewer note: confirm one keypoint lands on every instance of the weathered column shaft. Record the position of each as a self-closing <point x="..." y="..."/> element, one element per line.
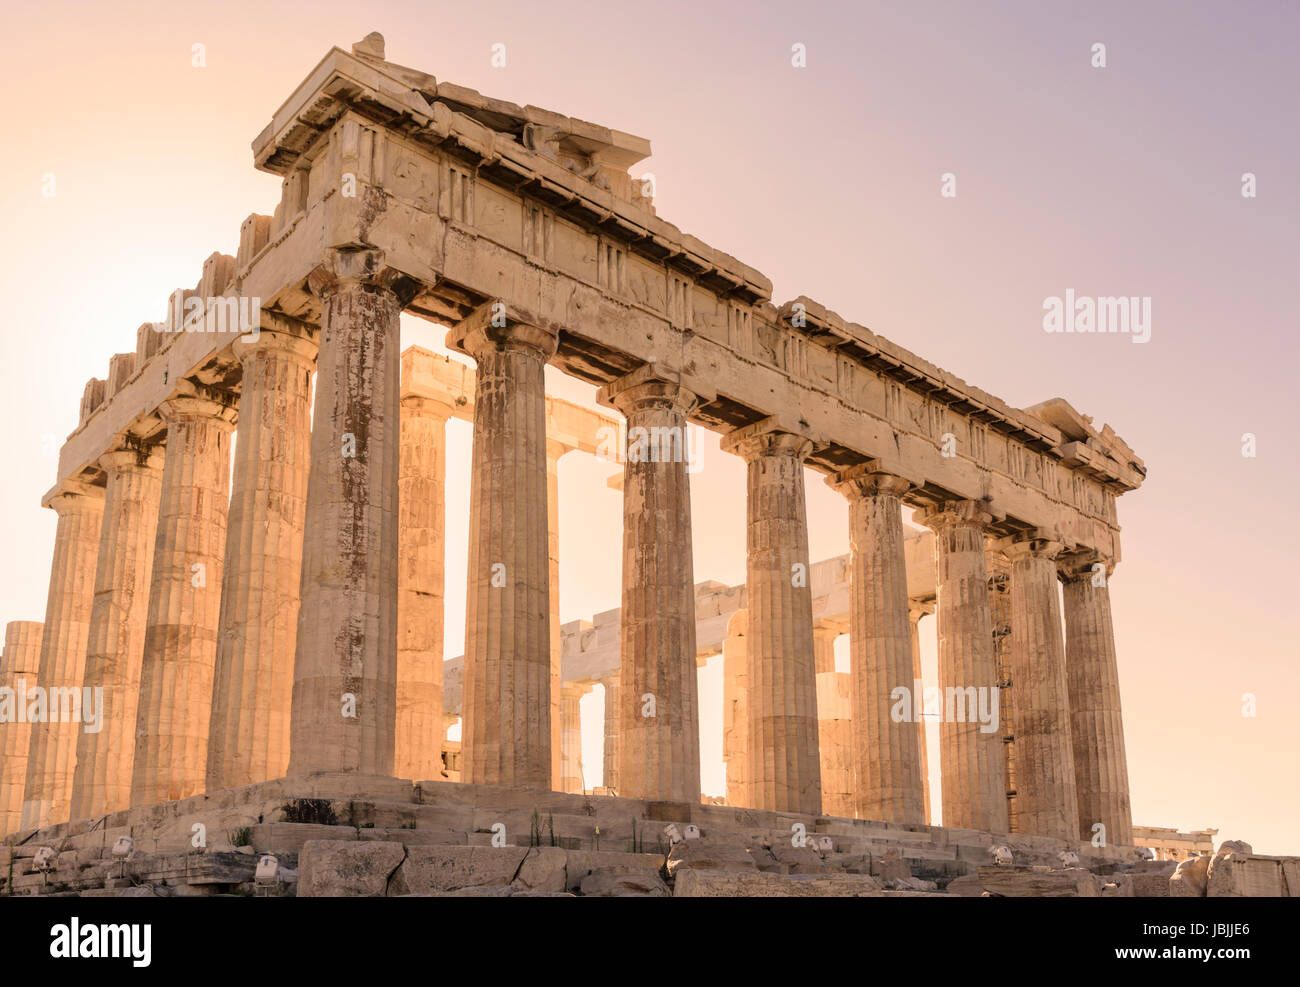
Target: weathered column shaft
<point x="421" y="500"/>
<point x="114" y="654"/>
<point x="660" y="734"/>
<point x="1097" y="724"/>
<point x="180" y="644"/>
<point x="344" y="708"/>
<point x="52" y="751"/>
<point x="1046" y="802"/>
<point x="784" y="766"/>
<point x="834" y="726"/>
<point x="506" y="738"/>
<point x="554" y="450"/>
<point x="970" y="752"/>
<point x="571" y="738"/>
<point x="20" y="665"/>
<point x="735" y="711"/>
<point x="611" y="733"/>
<point x="914" y="616"/>
<point x="887" y="757"/>
<point x="248" y="738"/>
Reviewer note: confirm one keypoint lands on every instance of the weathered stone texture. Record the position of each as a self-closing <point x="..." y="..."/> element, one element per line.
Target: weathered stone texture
<point x="52" y="752"/>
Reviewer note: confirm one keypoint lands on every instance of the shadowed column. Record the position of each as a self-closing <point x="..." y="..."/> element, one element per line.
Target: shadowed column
<point x="52" y="750"/>
<point x="971" y="758"/>
<point x="1097" y="724"/>
<point x="252" y="690"/>
<point x="571" y="737"/>
<point x="611" y="733"/>
<point x="914" y="615"/>
<point x="344" y="710"/>
<point x="180" y="643"/>
<point x="834" y="725"/>
<point x="506" y="736"/>
<point x="784" y="764"/>
<point x="735" y="710"/>
<point x="20" y="664"/>
<point x="115" y="645"/>
<point x="887" y="757"/>
<point x="421" y="502"/>
<point x="659" y="728"/>
<point x="1046" y="803"/>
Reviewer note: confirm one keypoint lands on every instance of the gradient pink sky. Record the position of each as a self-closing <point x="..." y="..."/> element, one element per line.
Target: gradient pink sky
<point x="1124" y="180"/>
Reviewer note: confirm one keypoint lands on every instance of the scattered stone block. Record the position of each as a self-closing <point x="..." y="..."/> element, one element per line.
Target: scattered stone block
<point x="717" y="883"/>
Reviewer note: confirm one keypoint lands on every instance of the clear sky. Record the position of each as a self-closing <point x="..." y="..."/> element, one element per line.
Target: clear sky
<point x="1122" y="180"/>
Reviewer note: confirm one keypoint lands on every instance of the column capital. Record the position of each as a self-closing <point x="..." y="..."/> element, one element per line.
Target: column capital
<point x="916" y="609"/>
<point x="649" y="388"/>
<point x="955" y="513"/>
<point x="1080" y="564"/>
<point x="427" y="407"/>
<point x="145" y="458"/>
<point x="75" y="496"/>
<point x="870" y="478"/>
<point x="768" y="437"/>
<point x="342" y="268"/>
<point x="494" y="327"/>
<point x="1030" y="545"/>
<point x="193" y="400"/>
<point x="575" y="690"/>
<point x="277" y="337"/>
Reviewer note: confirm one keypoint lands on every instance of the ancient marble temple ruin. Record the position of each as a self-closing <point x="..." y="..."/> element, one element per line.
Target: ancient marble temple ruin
<point x="281" y="616"/>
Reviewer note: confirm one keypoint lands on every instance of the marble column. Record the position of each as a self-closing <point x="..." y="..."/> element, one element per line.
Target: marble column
<point x="611" y="733"/>
<point x="735" y="709"/>
<point x="248" y="736"/>
<point x="114" y="653"/>
<point x="1097" y="725"/>
<point x="660" y="730"/>
<point x="834" y="725"/>
<point x="180" y="638"/>
<point x="52" y="750"/>
<point x="421" y="501"/>
<point x="571" y="738"/>
<point x="344" y="709"/>
<point x="1046" y="802"/>
<point x="784" y="766"/>
<point x="20" y="666"/>
<point x="887" y="759"/>
<point x="970" y="753"/>
<point x="506" y="739"/>
<point x="555" y="450"/>
<point x="914" y="615"/>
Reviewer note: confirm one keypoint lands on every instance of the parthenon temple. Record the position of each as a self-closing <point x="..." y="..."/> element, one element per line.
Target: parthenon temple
<point x="250" y="547"/>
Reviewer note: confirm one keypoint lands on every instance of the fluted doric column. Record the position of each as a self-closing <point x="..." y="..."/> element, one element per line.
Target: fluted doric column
<point x="1046" y="802"/>
<point x="1097" y="724"/>
<point x="20" y="664"/>
<point x="114" y="652"/>
<point x="610" y="765"/>
<point x="554" y="451"/>
<point x="784" y="762"/>
<point x="571" y="737"/>
<point x="248" y="737"/>
<point x="659" y="729"/>
<point x="914" y="615"/>
<point x="834" y="725"/>
<point x="180" y="641"/>
<point x="735" y="710"/>
<point x="970" y="752"/>
<point x="506" y="737"/>
<point x="887" y="759"/>
<point x="344" y="709"/>
<point x="52" y="750"/>
<point x="421" y="501"/>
